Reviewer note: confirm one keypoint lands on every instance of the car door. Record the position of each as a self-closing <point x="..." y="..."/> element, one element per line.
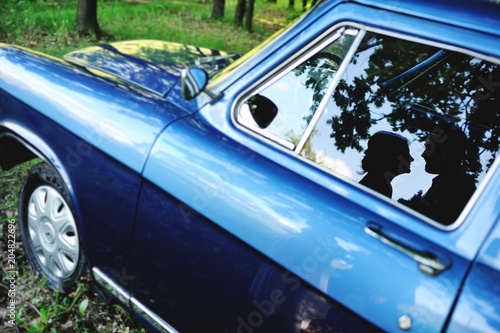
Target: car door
<point x="251" y="216"/>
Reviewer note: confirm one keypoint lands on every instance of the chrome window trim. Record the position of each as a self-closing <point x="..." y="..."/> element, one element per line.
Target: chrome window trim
<point x="267" y="135"/>
<point x="110" y="285"/>
<point x="329" y="92"/>
<point x="258" y="134"/>
<point x="151" y="317"/>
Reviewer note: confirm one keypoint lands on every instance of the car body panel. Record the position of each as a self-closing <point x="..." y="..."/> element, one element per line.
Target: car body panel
<point x="439" y="11"/>
<point x="92" y="179"/>
<point x="244" y="290"/>
<point x="153" y="65"/>
<point x="477" y="307"/>
<point x="98" y="109"/>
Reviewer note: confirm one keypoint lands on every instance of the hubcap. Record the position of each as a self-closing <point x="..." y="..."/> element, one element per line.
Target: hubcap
<point x="53" y="232"/>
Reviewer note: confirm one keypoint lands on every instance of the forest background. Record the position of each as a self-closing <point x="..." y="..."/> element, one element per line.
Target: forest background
<point x="51" y="27"/>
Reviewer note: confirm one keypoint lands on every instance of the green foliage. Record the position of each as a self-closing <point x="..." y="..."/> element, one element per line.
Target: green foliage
<point x="45" y="310"/>
<point x="10" y="184"/>
<point x="83" y="306"/>
<point x="47" y="25"/>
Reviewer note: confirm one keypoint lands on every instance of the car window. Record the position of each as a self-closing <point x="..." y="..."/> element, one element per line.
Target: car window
<point x="416" y="123"/>
<point x="282" y="107"/>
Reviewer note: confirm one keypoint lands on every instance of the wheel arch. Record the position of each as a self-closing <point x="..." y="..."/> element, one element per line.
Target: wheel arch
<point x="19" y="145"/>
<point x="13" y="152"/>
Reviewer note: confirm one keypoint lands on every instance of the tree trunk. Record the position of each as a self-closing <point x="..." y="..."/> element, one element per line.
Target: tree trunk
<point x="240" y="12"/>
<point x="86" y="18"/>
<point x="271" y="1"/>
<point x="249" y="15"/>
<point x="304" y="4"/>
<point x="218" y="9"/>
<point x="291" y="3"/>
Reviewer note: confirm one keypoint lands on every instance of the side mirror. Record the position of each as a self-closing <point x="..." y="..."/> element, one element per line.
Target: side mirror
<point x="193" y="81"/>
<point x="263" y="110"/>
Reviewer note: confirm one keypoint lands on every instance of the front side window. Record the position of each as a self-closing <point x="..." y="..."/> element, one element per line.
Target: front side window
<point x="412" y="122"/>
<point x="283" y="106"/>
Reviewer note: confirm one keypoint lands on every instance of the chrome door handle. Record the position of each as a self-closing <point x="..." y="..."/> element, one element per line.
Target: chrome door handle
<point x="428" y="263"/>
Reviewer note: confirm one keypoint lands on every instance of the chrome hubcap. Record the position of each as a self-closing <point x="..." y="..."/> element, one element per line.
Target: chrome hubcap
<point x="53" y="232"/>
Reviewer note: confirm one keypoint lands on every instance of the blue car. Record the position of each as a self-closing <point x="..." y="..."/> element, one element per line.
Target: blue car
<point x="341" y="177"/>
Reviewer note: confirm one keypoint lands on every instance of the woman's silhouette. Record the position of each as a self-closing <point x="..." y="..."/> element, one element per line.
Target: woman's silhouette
<point x="386" y="157"/>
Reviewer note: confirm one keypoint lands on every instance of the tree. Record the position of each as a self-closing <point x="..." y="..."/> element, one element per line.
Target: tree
<point x="249" y="14"/>
<point x="244" y="9"/>
<point x="218" y="9"/>
<point x="240" y="12"/>
<point x="291" y="3"/>
<point x="86" y="18"/>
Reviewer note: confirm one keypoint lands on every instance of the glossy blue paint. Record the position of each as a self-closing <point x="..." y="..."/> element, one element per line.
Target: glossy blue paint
<point x="215" y="201"/>
<point x="477" y="308"/>
<point x="209" y="281"/>
<point x="314" y="227"/>
<point x="100" y="110"/>
<point x="153" y="65"/>
<point x="93" y="179"/>
<point x="465" y="13"/>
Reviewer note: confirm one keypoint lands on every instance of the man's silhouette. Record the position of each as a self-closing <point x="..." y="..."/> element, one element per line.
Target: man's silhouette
<point x="452" y="188"/>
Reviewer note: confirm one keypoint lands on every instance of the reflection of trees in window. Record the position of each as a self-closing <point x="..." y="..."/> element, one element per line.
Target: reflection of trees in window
<point x="319" y="157"/>
<point x="319" y="72"/>
<point x="448" y="86"/>
<point x="321" y="68"/>
<point x="307" y="151"/>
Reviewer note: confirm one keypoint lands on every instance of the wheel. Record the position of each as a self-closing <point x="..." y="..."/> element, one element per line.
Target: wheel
<point x="48" y="228"/>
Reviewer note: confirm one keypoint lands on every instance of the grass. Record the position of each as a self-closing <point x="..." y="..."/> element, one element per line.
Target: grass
<point x="47" y="26"/>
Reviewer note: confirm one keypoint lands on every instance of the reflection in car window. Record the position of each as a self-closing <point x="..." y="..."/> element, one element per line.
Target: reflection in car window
<point x="293" y="95"/>
<point x="444" y="103"/>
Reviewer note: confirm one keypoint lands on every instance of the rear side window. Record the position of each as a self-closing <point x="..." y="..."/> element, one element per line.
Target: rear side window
<point x="415" y="123"/>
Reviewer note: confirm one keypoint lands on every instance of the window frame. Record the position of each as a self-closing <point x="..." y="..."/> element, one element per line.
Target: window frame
<point x="315" y="46"/>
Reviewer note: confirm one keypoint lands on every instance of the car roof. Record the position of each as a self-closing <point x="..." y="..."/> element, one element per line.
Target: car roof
<point x="479" y="15"/>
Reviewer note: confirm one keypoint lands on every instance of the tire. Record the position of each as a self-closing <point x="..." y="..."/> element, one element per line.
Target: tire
<point x="49" y="228"/>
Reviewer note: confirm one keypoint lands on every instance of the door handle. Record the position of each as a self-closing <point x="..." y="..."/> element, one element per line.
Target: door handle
<point x="428" y="263"/>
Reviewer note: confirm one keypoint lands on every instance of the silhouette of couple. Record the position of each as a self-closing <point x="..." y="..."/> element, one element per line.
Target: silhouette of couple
<point x="388" y="156"/>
